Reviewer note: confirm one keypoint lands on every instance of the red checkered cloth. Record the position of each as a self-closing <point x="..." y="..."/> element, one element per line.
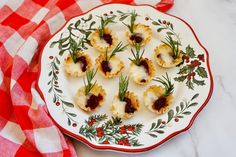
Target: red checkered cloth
<point x="25" y="26"/>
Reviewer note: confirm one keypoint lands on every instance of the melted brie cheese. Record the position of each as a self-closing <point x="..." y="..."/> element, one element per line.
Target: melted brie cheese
<point x="101" y="42"/>
<point x="82" y="100"/>
<point x="143" y="33"/>
<point x="114" y="62"/>
<point x="166" y="55"/>
<point x="138" y="73"/>
<point x="149" y="99"/>
<point x="118" y="106"/>
<point x="72" y="68"/>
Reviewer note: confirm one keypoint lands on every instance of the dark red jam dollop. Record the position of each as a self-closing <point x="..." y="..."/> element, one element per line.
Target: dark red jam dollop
<point x="83" y="62"/>
<point x="107" y="38"/>
<point x="105" y="66"/>
<point x="160" y="103"/>
<point x="145" y="65"/>
<point x="93" y="101"/>
<point x="128" y="107"/>
<point x="136" y="37"/>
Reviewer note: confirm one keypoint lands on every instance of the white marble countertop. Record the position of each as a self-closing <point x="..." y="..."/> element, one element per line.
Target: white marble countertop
<point x="214" y="130"/>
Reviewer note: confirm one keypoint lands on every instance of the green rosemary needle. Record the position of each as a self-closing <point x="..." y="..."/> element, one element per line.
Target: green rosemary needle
<point x="166" y="82"/>
<point x="104" y="22"/>
<point x="174" y="45"/>
<point x="137" y="55"/>
<point x="88" y="83"/>
<point x="123" y="86"/>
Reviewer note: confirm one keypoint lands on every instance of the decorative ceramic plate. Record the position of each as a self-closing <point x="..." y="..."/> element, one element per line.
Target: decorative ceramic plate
<point x="193" y="83"/>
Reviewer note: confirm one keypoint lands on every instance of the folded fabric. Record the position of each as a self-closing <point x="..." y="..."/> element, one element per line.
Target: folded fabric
<point x="25" y="26"/>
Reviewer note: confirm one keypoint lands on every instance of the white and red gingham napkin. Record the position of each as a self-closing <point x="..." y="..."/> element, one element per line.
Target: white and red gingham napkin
<point x="25" y="25"/>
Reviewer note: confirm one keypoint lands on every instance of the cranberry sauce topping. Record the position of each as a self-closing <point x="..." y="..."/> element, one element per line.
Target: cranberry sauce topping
<point x="83" y="62"/>
<point x="128" y="107"/>
<point x="136" y="37"/>
<point x="145" y="65"/>
<point x="93" y="101"/>
<point x="105" y="66"/>
<point x="107" y="38"/>
<point x="160" y="103"/>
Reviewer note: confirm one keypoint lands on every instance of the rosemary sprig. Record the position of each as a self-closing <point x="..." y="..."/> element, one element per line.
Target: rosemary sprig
<point x="174" y="45"/>
<point x="166" y="82"/>
<point x="88" y="83"/>
<point x="133" y="16"/>
<point x="137" y="56"/>
<point x="104" y="22"/>
<point x="74" y="50"/>
<point x="119" y="48"/>
<point x="123" y="86"/>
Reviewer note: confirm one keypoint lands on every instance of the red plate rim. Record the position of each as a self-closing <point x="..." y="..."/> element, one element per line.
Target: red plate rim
<point x="84" y="140"/>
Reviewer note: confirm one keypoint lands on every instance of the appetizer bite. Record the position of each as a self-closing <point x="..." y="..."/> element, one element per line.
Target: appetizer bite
<point x="168" y="54"/>
<point x="103" y="38"/>
<point x="125" y="103"/>
<point x="138" y="33"/>
<point x="141" y="69"/>
<point x="76" y="64"/>
<point x="111" y="66"/>
<point x="91" y="95"/>
<point x="159" y="99"/>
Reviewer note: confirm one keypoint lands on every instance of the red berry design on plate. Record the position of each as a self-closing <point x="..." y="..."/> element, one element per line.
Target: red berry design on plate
<point x="105" y="142"/>
<point x="124" y="142"/>
<point x="100" y="132"/>
<point x="201" y="57"/>
<point x="146" y="18"/>
<point x="105" y="14"/>
<point x="123" y="130"/>
<point x="164" y="22"/>
<point x="195" y="63"/>
<point x="50" y="57"/>
<point x="176" y="119"/>
<point x="57" y="72"/>
<point x="74" y="124"/>
<point x="91" y="122"/>
<point x="58" y="103"/>
<point x="189" y="76"/>
<point x="131" y="128"/>
<point x="168" y="23"/>
<point x="56" y="82"/>
<point x="111" y="12"/>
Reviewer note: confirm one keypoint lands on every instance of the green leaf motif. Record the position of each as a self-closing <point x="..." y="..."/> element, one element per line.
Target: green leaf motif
<point x="122" y="18"/>
<point x="195" y="96"/>
<point x="190" y="52"/>
<point x="185" y="70"/>
<point x="72" y="114"/>
<point x="170" y="115"/>
<point x="77" y="23"/>
<point x="160" y="29"/>
<point x="169" y="33"/>
<point x="198" y="82"/>
<point x="88" y="19"/>
<point x="155" y="23"/>
<point x="69" y="122"/>
<point x="189" y="84"/>
<point x="68" y="104"/>
<point x="53" y="44"/>
<point x="201" y="72"/>
<point x="187" y="113"/>
<point x="50" y="73"/>
<point x="180" y="78"/>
